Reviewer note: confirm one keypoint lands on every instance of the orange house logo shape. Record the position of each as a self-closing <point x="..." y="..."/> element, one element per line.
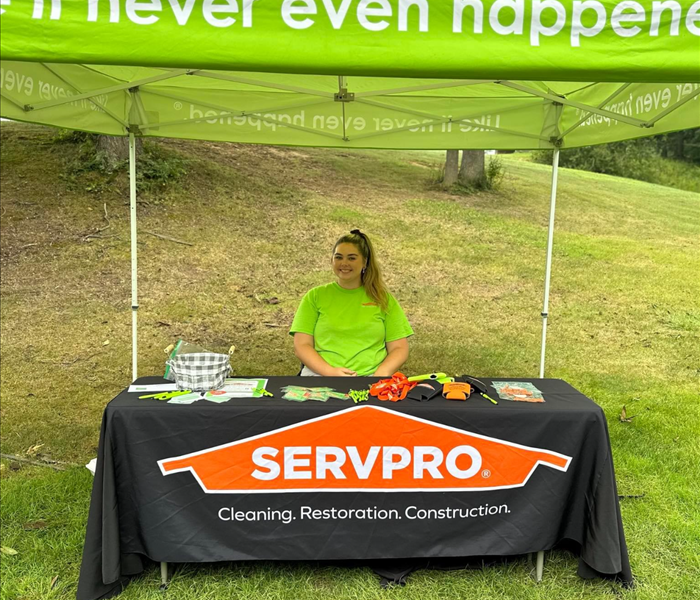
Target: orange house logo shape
<point x="364" y="449"/>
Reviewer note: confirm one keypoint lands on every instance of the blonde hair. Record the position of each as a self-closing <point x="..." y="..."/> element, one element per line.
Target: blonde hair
<point x="371" y="275"/>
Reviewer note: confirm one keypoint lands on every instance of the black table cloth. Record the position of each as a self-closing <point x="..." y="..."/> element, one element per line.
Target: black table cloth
<point x="271" y="479"/>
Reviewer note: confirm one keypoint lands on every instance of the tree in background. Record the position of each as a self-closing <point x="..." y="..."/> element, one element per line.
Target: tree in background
<point x="471" y="171"/>
<point x="681" y="145"/>
<point x="641" y="159"/>
<point x="474" y="174"/>
<point x="449" y="177"/>
<point x="115" y="149"/>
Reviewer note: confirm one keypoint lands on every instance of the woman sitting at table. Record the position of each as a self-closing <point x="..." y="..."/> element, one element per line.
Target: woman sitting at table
<point x="353" y="326"/>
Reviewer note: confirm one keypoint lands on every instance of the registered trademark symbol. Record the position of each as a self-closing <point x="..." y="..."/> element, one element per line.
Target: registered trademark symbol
<point x="486" y="473"/>
<point x="178" y="105"/>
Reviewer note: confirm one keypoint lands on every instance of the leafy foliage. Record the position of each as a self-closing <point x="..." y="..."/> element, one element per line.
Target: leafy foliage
<point x="70" y="136"/>
<point x="95" y="170"/>
<point x="671" y="159"/>
<point x="158" y="167"/>
<point x="86" y="167"/>
<point x="681" y="145"/>
<point x="495" y="172"/>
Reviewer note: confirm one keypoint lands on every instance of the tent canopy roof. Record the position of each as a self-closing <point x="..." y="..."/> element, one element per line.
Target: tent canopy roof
<point x="496" y="74"/>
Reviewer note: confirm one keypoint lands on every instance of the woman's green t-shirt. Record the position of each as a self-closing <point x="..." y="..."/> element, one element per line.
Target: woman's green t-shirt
<point x="350" y="330"/>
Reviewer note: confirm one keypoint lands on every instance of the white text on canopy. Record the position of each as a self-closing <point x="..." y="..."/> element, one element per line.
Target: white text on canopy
<point x="531" y="20"/>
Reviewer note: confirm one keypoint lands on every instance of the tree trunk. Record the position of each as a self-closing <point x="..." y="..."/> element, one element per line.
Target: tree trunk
<point x="472" y="170"/>
<point x="451" y="168"/>
<point x="680" y="144"/>
<point x="115" y="149"/>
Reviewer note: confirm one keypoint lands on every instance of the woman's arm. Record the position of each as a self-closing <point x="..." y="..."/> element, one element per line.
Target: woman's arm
<point x="306" y="353"/>
<point x="397" y="355"/>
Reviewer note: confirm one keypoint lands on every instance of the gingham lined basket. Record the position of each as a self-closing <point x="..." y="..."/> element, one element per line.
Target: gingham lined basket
<point x="200" y="371"/>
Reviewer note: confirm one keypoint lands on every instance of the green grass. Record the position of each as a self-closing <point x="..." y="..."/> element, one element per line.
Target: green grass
<point x="468" y="270"/>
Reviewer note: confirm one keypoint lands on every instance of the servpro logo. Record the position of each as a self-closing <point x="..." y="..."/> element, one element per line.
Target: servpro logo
<point x="364" y="449"/>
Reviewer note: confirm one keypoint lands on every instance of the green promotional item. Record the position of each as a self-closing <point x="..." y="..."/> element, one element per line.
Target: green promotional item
<point x="439" y="377"/>
<point x="186" y="398"/>
<point x="174" y="350"/>
<point x="359" y="395"/>
<point x="216" y="398"/>
<point x="302" y="394"/>
<point x="263" y="392"/>
<point x="166" y="395"/>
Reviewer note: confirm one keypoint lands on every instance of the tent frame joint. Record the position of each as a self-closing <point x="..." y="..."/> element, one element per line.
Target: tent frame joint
<point x="135" y="129"/>
<point x="344" y="96"/>
<point x="556" y="141"/>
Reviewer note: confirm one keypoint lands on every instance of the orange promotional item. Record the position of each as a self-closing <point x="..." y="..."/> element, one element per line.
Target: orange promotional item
<point x="456" y="390"/>
<point x="393" y="389"/>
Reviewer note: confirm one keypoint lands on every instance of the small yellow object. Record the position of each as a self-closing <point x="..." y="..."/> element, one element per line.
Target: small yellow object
<point x="166" y="395"/>
<point x="436" y="376"/>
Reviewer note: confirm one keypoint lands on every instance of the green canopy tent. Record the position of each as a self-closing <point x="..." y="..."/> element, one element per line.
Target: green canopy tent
<point x="411" y="74"/>
<point x="400" y="74"/>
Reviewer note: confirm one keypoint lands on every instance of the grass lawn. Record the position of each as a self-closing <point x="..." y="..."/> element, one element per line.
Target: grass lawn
<point x="468" y="270"/>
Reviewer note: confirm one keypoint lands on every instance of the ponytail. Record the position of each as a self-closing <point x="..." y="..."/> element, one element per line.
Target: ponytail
<point x="371" y="275"/>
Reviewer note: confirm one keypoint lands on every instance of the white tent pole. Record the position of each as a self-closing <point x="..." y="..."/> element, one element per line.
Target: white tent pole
<point x="134" y="262"/>
<point x="548" y="271"/>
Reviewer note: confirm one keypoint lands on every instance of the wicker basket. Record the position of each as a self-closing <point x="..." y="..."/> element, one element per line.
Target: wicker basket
<point x="200" y="371"/>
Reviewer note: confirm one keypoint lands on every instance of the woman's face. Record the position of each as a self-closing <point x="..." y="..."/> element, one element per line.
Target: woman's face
<point x="347" y="263"/>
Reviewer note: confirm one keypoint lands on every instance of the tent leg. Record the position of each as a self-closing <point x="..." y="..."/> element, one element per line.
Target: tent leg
<point x="134" y="262"/>
<point x="164" y="576"/>
<point x="540" y="566"/>
<point x="548" y="271"/>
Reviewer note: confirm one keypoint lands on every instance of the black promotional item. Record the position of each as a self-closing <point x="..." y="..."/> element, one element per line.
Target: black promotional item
<point x="425" y="390"/>
<point x="479" y="386"/>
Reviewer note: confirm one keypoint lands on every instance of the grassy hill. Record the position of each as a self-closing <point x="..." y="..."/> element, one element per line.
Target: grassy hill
<point x="468" y="270"/>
